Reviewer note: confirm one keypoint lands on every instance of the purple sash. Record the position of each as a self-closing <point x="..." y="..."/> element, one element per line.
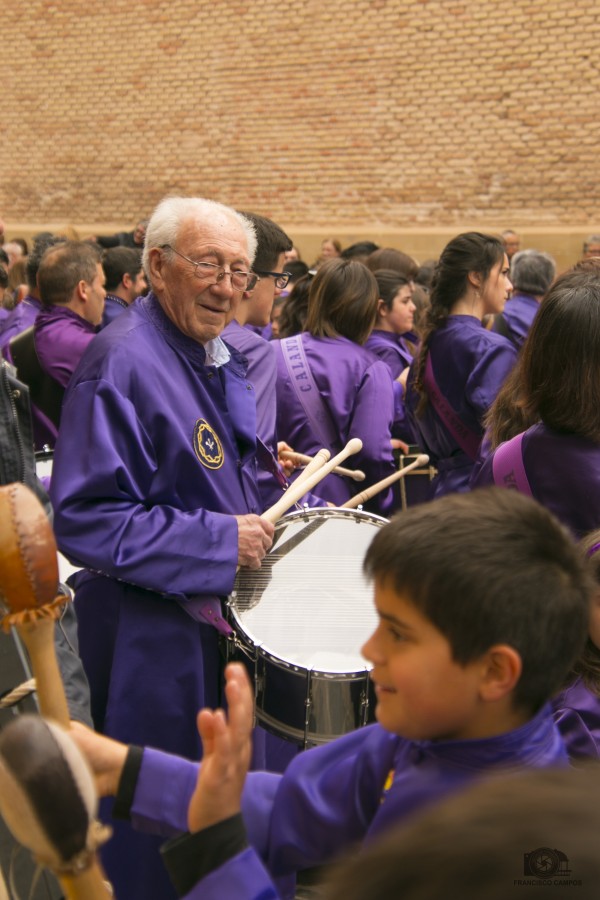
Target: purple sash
<point x="466" y="439"/>
<point x="508" y="469"/>
<point x="307" y="391"/>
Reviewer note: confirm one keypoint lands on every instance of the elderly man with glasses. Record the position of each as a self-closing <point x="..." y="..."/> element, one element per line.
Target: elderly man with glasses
<point x="155" y="493"/>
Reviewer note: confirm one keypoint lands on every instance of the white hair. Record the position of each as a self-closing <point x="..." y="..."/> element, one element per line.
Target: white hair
<point x="171" y="213"/>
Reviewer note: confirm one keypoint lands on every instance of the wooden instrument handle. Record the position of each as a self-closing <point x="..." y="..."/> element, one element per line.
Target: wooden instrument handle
<point x="296" y="491"/>
<point x="315" y="463"/>
<point x="38" y="637"/>
<point x="88" y="885"/>
<point x="369" y="492"/>
<point x="303" y="460"/>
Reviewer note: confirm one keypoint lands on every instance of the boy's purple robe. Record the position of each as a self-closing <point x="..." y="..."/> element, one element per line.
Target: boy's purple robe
<point x="333" y="797"/>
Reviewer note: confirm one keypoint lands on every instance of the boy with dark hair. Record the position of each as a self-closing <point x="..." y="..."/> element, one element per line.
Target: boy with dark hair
<point x="483" y="605"/>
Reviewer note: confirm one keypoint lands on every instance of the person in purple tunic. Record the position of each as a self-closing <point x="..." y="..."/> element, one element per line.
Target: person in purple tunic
<point x="531" y="272"/>
<point x="460" y="366"/>
<point x="25" y="313"/>
<point x="470" y="846"/>
<point x="557" y="459"/>
<point x="125" y="280"/>
<point x="155" y="495"/>
<point x="71" y="285"/>
<point x="395" y="316"/>
<point x="577" y="707"/>
<point x="330" y="388"/>
<point x="390" y="338"/>
<point x="463" y="675"/>
<point x="255" y="310"/>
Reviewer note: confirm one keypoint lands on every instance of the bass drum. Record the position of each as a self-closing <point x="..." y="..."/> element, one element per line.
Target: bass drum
<point x="299" y="623"/>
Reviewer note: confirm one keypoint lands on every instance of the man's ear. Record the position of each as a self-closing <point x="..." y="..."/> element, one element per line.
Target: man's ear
<point x="127" y="281"/>
<point x="502" y="669"/>
<point x="81" y="291"/>
<point x="156" y="263"/>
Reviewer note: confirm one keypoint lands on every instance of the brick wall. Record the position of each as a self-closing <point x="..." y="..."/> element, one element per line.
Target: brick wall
<point x="350" y="116"/>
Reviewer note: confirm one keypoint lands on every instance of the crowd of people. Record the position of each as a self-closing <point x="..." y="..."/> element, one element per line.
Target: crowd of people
<point x="167" y="367"/>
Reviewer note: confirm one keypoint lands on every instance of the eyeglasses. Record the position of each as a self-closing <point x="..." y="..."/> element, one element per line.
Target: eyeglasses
<point x="281" y="278"/>
<point x="240" y="280"/>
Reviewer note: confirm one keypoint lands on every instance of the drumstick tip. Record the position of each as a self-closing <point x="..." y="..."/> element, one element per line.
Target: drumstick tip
<point x="354" y="445"/>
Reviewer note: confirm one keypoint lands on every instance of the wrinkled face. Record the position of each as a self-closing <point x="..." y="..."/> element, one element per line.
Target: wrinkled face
<point x="95" y="294"/>
<point x="496" y="288"/>
<point x="422" y="693"/>
<point x="401" y="316"/>
<point x="199" y="307"/>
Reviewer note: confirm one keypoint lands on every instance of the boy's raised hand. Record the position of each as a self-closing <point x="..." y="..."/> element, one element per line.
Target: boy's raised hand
<point x="227" y="745"/>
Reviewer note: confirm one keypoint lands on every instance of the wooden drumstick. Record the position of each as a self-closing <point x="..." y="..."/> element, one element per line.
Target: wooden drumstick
<point x="316" y="462"/>
<point x="296" y="491"/>
<point x="48" y="800"/>
<point x="303" y="460"/>
<point x="369" y="492"/>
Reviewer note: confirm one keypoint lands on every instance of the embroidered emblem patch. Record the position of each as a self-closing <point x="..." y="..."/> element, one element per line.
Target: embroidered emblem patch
<point x="207" y="445"/>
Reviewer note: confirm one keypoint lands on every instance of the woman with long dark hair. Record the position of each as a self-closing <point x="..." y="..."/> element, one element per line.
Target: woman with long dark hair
<point x="557" y="459"/>
<point x="460" y="366"/>
<point x="330" y="388"/>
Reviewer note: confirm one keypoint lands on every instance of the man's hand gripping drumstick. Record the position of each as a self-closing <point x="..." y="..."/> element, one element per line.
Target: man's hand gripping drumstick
<point x="255" y="533"/>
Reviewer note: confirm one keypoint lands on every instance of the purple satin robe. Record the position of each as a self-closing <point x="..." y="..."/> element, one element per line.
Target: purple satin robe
<point x="469" y="365"/>
<point x="357" y="391"/>
<point x="519" y="313"/>
<point x="577" y="714"/>
<point x="156" y="453"/>
<point x="390" y="348"/>
<point x="19" y="319"/>
<point x="563" y="471"/>
<point x="61" y="338"/>
<point x="113" y="307"/>
<point x="335" y="796"/>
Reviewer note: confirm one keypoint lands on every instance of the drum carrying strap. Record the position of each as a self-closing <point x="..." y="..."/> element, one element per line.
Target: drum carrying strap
<point x="46" y="393"/>
<point x="508" y="467"/>
<point x="307" y="391"/>
<point x="467" y="440"/>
